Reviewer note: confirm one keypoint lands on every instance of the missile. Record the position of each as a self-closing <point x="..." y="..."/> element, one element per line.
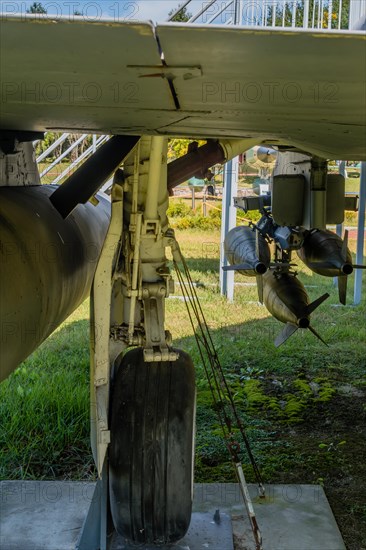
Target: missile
<point x="286" y="299"/>
<point x="47" y="266"/>
<point x="261" y="157"/>
<point x="247" y="252"/>
<point x="325" y="253"/>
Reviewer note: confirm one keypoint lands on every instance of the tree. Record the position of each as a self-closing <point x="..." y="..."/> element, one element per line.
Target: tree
<point x="179" y="147"/>
<point x="182" y="16"/>
<point x="37" y="7"/>
<point x="284" y="13"/>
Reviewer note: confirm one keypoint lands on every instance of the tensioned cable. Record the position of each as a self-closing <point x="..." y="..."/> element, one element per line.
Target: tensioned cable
<point x="220" y="390"/>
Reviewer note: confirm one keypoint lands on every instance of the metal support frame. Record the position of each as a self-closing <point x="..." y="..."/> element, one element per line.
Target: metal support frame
<point x="94" y="532"/>
<point x="357" y="11"/>
<point x="360" y="236"/>
<point x="61" y="157"/>
<point x="52" y="147"/>
<point x="91" y="150"/>
<point x="120" y="291"/>
<point x="228" y="222"/>
<point x="340" y="226"/>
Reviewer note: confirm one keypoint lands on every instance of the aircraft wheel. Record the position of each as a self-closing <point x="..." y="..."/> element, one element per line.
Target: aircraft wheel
<point x="151" y="450"/>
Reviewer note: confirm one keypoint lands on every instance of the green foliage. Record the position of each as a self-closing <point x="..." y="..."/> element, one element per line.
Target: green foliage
<point x="182" y="16"/>
<point x="37" y="7"/>
<point x="297" y="420"/>
<point x="287" y="17"/>
<point x="182" y="216"/>
<point x="177" y="147"/>
<point x="178" y="209"/>
<point x="51" y="137"/>
<point x="293" y="402"/>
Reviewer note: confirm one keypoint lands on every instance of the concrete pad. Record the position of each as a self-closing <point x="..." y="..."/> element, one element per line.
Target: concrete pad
<point x="203" y="533"/>
<point x="291" y="517"/>
<point x="49" y="516"/>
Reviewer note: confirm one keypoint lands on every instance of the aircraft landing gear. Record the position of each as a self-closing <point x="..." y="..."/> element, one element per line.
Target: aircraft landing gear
<point x="151" y="451"/>
<point x="142" y="400"/>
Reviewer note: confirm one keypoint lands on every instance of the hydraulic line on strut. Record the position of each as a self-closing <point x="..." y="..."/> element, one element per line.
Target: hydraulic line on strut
<point x="228" y="416"/>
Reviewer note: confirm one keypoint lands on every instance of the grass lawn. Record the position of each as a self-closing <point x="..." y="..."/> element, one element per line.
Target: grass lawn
<point x="303" y="404"/>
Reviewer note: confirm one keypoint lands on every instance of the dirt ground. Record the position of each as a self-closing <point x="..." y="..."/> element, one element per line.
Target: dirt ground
<point x="341" y="468"/>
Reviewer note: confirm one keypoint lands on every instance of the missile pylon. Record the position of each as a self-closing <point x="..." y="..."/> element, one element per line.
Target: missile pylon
<point x="286" y="299"/>
<point x="248" y="253"/>
<point x="325" y="253"/>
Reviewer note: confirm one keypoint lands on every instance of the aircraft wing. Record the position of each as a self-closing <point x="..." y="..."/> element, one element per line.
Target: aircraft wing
<point x="301" y="88"/>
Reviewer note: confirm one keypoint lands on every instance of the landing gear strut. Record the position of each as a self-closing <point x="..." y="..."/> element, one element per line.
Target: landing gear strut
<point x="142" y="400"/>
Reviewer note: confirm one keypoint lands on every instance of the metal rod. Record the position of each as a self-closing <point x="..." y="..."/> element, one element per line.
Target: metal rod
<point x="237" y="12"/>
<point x="228" y="222"/>
<point x="360" y="235"/>
<point x="77" y="161"/>
<point x="330" y="14"/>
<point x="135" y="273"/>
<point x="202" y="11"/>
<point x="340" y="14"/>
<point x="224" y="8"/>
<point x="59" y="159"/>
<point x="274" y="13"/>
<point x="313" y="14"/>
<point x="52" y="147"/>
<point x="87" y="180"/>
<point x="305" y="22"/>
<point x="321" y="15"/>
<point x="249" y="505"/>
<point x="152" y="197"/>
<point x="264" y="11"/>
<point x="196" y="163"/>
<point x="293" y="23"/>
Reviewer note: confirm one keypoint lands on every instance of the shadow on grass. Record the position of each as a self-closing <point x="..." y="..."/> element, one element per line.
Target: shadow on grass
<point x="44" y="408"/>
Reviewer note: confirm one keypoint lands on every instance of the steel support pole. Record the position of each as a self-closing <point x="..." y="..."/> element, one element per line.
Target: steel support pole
<point x="340" y="226"/>
<point x="306" y="14"/>
<point x="238" y="12"/>
<point x="360" y="236"/>
<point x="228" y="222"/>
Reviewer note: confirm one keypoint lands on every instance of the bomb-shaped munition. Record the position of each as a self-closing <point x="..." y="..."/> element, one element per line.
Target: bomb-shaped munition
<point x="286" y="299"/>
<point x="325" y="253"/>
<point x="247" y="251"/>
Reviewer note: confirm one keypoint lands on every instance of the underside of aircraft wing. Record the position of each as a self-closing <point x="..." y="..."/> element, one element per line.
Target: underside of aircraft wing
<point x="300" y="88"/>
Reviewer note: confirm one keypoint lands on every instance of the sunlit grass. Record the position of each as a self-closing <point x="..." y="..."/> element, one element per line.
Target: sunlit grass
<point x="44" y="411"/>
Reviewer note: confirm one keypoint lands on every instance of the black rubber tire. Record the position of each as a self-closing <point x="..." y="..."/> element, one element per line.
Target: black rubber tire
<point x="151" y="450"/>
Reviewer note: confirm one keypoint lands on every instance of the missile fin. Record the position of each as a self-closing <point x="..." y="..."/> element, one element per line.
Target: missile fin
<point x="342" y="289"/>
<point x="288" y="331"/>
<point x="312" y="307"/>
<point x="317" y="335"/>
<point x="257" y="247"/>
<point x="345" y="246"/>
<point x="260" y="288"/>
<point x="238" y="267"/>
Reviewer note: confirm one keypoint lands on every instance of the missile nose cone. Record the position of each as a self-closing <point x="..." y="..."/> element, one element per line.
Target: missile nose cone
<point x="267" y="155"/>
<point x="347" y="269"/>
<point x="304" y="322"/>
<point x="261" y="268"/>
